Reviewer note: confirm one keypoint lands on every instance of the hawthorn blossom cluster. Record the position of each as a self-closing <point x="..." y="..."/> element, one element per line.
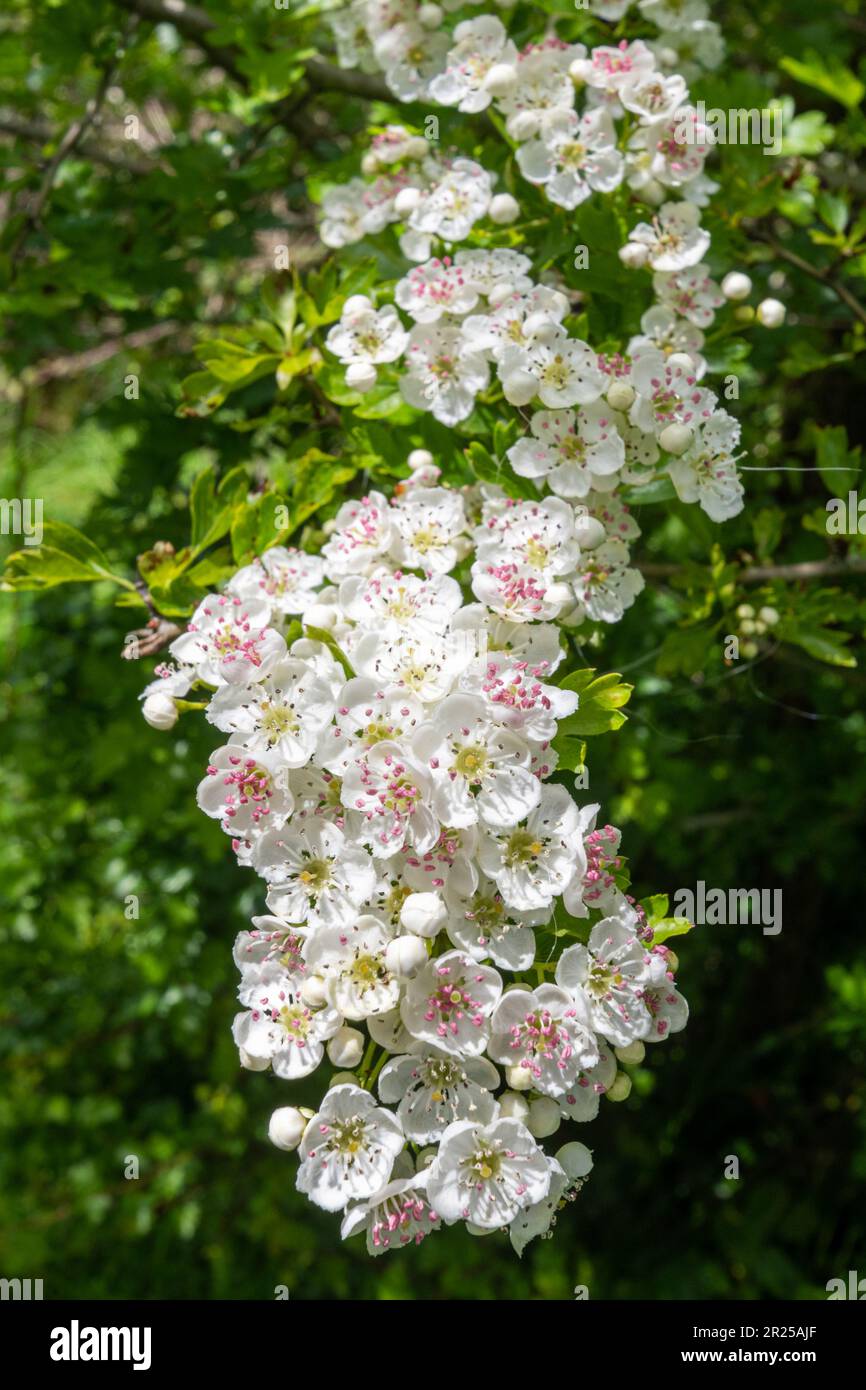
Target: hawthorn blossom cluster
<point x="388" y="710"/>
<point x="634" y="124"/>
<point x="478" y="320"/>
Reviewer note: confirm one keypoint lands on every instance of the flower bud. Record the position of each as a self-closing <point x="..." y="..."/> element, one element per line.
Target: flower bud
<point x="369" y="164"/>
<point x="744" y="313"/>
<point x="405" y="955"/>
<point x="420" y="458"/>
<point x="500" y="79"/>
<point x="407" y="201"/>
<point x="770" y="616"/>
<point x="588" y="532"/>
<point x="519" y="1078"/>
<point x="575" y="1158"/>
<point x="523" y="125"/>
<point x="320" y="615"/>
<point x="771" y="313"/>
<point x="502" y="290"/>
<point x="503" y="209"/>
<point x="634" y="1053"/>
<point x="736" y="285"/>
<point x="160" y="711"/>
<point x="479" y="1230"/>
<point x="540" y="326"/>
<point x="361" y="376"/>
<point x="286" y="1128"/>
<point x="745" y="610"/>
<point x="356" y="304"/>
<point x="342" y="1078"/>
<point x="429" y="16"/>
<point x="250" y="1063"/>
<point x="653" y="192"/>
<point x="513" y="1106"/>
<point x="544" y="1117"/>
<point x="750" y="650"/>
<point x="423" y="914"/>
<point x="620" y="395"/>
<point x="748" y="627"/>
<point x="579" y="70"/>
<point x="672" y="961"/>
<point x="621" y="1087"/>
<point x="675" y="439"/>
<point x="633" y="255"/>
<point x="519" y="387"/>
<point x="346" y="1047"/>
<point x="313" y="990"/>
<point x="425" y="1158"/>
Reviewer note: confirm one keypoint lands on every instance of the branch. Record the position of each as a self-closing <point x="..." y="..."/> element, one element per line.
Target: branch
<point x="75" y="131"/>
<point x="759" y="574"/>
<point x="59" y="368"/>
<point x="39" y="133"/>
<point x="196" y="24"/>
<point x="824" y="277"/>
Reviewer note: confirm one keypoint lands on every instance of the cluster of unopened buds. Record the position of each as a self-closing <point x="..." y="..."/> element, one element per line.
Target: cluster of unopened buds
<point x="388" y="709"/>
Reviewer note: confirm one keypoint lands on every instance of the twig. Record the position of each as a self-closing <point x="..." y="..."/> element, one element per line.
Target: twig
<point x="59" y="368"/>
<point x="824" y="277"/>
<point x="75" y="131"/>
<point x="40" y="133"/>
<point x="759" y="574"/>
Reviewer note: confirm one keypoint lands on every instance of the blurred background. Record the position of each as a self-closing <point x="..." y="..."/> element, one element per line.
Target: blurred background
<point x="115" y="1027"/>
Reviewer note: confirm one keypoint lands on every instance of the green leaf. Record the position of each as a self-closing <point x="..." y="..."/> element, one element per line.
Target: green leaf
<point x="839" y="466"/>
<point x="64" y="556"/>
<point x="599" y="710"/>
<point x="827" y="75"/>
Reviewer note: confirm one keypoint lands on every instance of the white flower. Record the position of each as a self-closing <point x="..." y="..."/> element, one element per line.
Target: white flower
<point x="438" y="287"/>
<point x="668" y="393"/>
<point x="668" y="1009"/>
<point x="360" y="538"/>
<point x="317" y="877"/>
<point x="449" y="1003"/>
<point x="573" y="157"/>
<point x="245" y="794"/>
<point x="452" y="207"/>
<point x="663" y="329"/>
<point x="395" y="604"/>
<point x="351" y="960"/>
<point x="604" y="586"/>
<point x="516" y="321"/>
<point x="543" y="82"/>
<point x="443" y="376"/>
<point x="607" y="70"/>
<point x="410" y="56"/>
<point x="480" y="45"/>
<point x="691" y="293"/>
<point x="367" y="714"/>
<point x="481" y="924"/>
<point x="227" y="641"/>
<point x="284" y="577"/>
<point x="284" y="713"/>
<point x="450" y="864"/>
<point x="707" y="471"/>
<point x="564" y="373"/>
<point x="282" y="1029"/>
<point x="652" y="95"/>
<point x="479" y="769"/>
<point x="610" y="974"/>
<point x="427" y="668"/>
<point x="391" y="792"/>
<point x="568" y="1171"/>
<point x="486" y="1174"/>
<point x="348" y="1149"/>
<point x="485" y="270"/>
<point x="369" y="336"/>
<point x="573" y="450"/>
<point x="533" y="864"/>
<point x="432" y="1089"/>
<point x="398" y="1214"/>
<point x="517" y="695"/>
<point x="675" y="239"/>
<point x="581" y="1101"/>
<point x="428" y="524"/>
<point x="544" y="1030"/>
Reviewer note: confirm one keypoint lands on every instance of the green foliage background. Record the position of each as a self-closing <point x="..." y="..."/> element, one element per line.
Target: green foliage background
<point x="114" y="1031"/>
